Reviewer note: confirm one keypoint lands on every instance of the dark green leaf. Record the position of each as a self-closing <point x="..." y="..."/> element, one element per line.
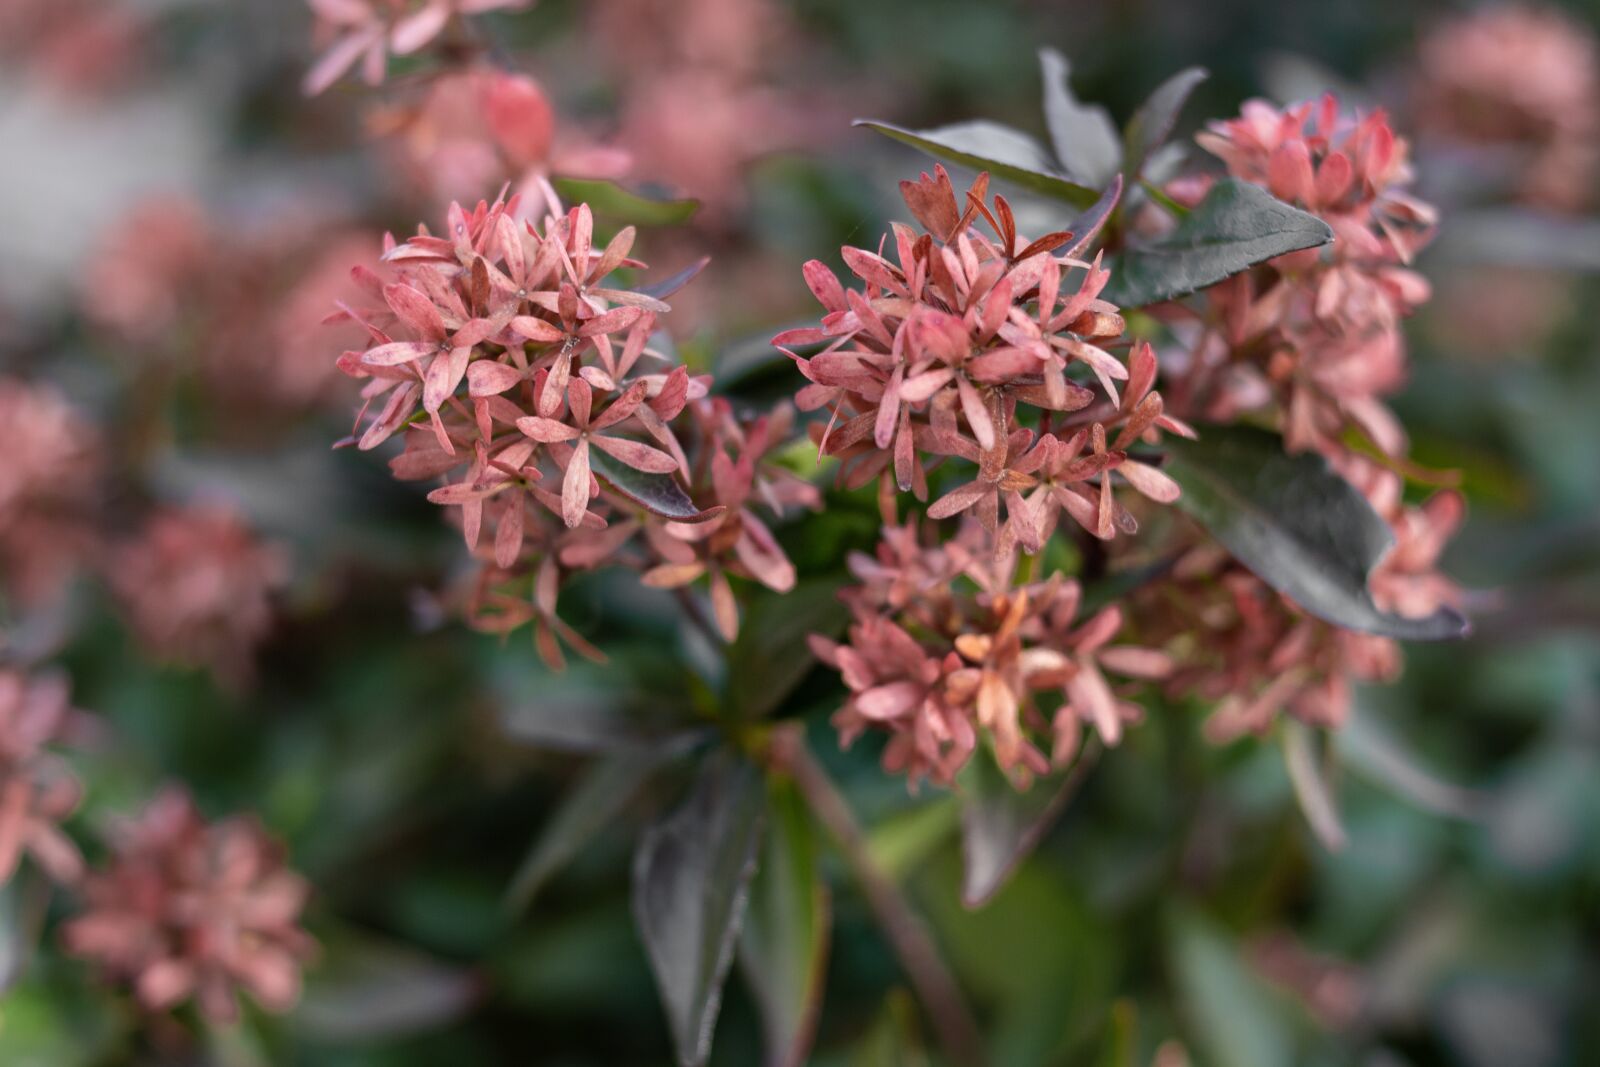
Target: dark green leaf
<point x="1084" y="137"/>
<point x="1000" y="824"/>
<point x="691" y="882"/>
<point x="567" y="719"/>
<point x="659" y="494"/>
<point x="785" y="941"/>
<point x="770" y="657"/>
<point x="1153" y="122"/>
<point x="23" y="901"/>
<point x="1235" y="227"/>
<point x="669" y="285"/>
<point x="1086" y="225"/>
<point x="1233" y="1018"/>
<point x="1000" y="150"/>
<point x="625" y="205"/>
<point x="366" y="989"/>
<point x="1300" y="527"/>
<point x="598" y="798"/>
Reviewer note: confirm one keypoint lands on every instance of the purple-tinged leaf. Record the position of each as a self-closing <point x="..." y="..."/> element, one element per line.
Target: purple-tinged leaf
<point x="659" y="494"/>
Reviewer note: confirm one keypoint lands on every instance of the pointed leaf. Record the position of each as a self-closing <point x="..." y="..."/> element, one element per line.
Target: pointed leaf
<point x="784" y="948"/>
<point x="1235" y="227"/>
<point x="1083" y="135"/>
<point x="1153" y="122"/>
<point x="1300" y="527"/>
<point x="1000" y="150"/>
<point x="768" y="659"/>
<point x="627" y="205"/>
<point x="600" y="795"/>
<point x="660" y="494"/>
<point x="1311" y="787"/>
<point x="1087" y="224"/>
<point x="691" y="883"/>
<point x="1000" y="825"/>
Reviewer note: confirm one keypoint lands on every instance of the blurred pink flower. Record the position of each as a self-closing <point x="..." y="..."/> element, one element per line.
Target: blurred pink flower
<point x="1519" y="77"/>
<point x="82" y="46"/>
<point x="192" y="910"/>
<point x="197" y="586"/>
<point x="367" y="31"/>
<point x="48" y="485"/>
<point x="147" y="269"/>
<point x="472" y="131"/>
<point x="37" y="789"/>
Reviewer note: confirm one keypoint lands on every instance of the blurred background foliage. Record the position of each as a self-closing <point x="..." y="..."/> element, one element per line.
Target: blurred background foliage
<point x="1181" y="898"/>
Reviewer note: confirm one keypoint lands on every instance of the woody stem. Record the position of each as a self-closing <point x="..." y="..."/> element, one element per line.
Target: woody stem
<point x="908" y="936"/>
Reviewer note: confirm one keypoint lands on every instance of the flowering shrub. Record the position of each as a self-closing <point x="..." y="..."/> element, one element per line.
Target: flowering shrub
<point x="1096" y="444"/>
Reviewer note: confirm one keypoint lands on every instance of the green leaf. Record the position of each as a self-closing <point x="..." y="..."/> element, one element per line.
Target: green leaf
<point x="641" y="207"/>
<point x="1232" y="1016"/>
<point x="784" y="949"/>
<point x="770" y="656"/>
<point x="368" y="989"/>
<point x="1086" y="225"/>
<point x="659" y="494"/>
<point x="1084" y="137"/>
<point x="691" y="883"/>
<point x="1300" y="527"/>
<point x="1312" y="789"/>
<point x="23" y="902"/>
<point x="572" y="721"/>
<point x="1000" y="824"/>
<point x="1153" y="122"/>
<point x="601" y="794"/>
<point x="1235" y="227"/>
<point x="1000" y="150"/>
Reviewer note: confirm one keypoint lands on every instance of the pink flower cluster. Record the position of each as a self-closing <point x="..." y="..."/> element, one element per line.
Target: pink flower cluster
<point x="197" y="587"/>
<point x="542" y="394"/>
<point x="48" y="488"/>
<point x="965" y="346"/>
<point x="1317" y="331"/>
<point x="37" y="788"/>
<point x="187" y="909"/>
<point x="1318" y="334"/>
<point x="239" y="305"/>
<point x="1520" y="78"/>
<point x="949" y="648"/>
<point x="481" y="127"/>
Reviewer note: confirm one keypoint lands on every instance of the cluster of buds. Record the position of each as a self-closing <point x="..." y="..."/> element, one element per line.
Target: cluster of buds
<point x="369" y="31"/>
<point x="190" y="910"/>
<point x="197" y="587"/>
<point x="545" y="398"/>
<point x="37" y="789"/>
<point x="970" y="347"/>
<point x="47" y="490"/>
<point x="948" y="648"/>
<point x="1318" y="332"/>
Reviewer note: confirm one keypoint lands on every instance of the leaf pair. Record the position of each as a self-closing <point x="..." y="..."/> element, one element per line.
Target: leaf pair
<point x="737" y="856"/>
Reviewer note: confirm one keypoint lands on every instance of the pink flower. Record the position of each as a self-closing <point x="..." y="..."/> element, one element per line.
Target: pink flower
<point x="480" y="128"/>
<point x="366" y="31"/>
<point x="1519" y="77"/>
<point x="942" y="668"/>
<point x="197" y="587"/>
<point x="37" y="789"/>
<point x="47" y="490"/>
<point x="943" y="343"/>
<point x="192" y="910"/>
<point x="1318" y="331"/>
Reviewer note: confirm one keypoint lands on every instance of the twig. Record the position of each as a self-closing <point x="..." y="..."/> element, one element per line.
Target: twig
<point x="935" y="986"/>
